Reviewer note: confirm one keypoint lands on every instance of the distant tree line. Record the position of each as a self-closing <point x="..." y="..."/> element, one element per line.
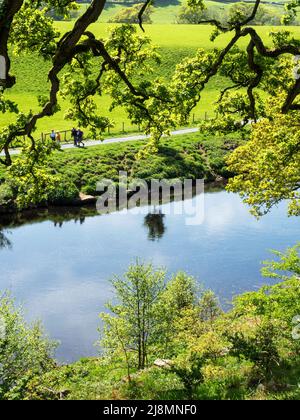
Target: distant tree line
<point x="131" y="15"/>
<point x="265" y="15"/>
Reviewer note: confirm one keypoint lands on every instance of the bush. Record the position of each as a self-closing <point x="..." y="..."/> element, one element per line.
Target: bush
<point x="6" y="194"/>
<point x="25" y="351"/>
<point x="65" y="193"/>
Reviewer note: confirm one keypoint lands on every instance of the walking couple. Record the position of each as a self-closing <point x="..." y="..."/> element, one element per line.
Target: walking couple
<point x="77" y="135"/>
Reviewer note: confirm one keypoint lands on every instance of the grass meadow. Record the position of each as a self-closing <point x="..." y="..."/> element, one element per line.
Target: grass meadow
<point x="174" y="41"/>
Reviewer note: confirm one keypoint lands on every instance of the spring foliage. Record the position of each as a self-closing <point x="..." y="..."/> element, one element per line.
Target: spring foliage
<point x="84" y="67"/>
<point x="249" y="352"/>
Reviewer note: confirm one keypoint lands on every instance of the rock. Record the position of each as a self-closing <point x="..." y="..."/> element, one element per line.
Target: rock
<point x="87" y="199"/>
<point x="261" y="388"/>
<point x="220" y="179"/>
<point x="163" y="363"/>
<point x="225" y="352"/>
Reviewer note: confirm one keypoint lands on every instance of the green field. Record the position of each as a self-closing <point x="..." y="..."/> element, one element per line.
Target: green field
<point x="175" y="42"/>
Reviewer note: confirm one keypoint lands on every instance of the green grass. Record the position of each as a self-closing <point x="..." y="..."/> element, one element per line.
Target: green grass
<point x="182" y="36"/>
<point x="187" y="157"/>
<point x="175" y="43"/>
<point x="93" y="379"/>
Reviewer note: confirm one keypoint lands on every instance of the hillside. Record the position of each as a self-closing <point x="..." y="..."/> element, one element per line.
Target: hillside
<point x="175" y="42"/>
<point x="166" y="11"/>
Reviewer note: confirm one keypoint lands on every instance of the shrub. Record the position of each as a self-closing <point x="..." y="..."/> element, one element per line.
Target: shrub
<point x="65" y="193"/>
<point x="24" y="350"/>
<point x="6" y="194"/>
<point x="261" y="348"/>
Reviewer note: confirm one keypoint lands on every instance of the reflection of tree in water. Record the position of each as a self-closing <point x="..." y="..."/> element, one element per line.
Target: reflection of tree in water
<point x="58" y="216"/>
<point x="163" y="3"/>
<point x="60" y="222"/>
<point x="4" y="241"/>
<point x="155" y="223"/>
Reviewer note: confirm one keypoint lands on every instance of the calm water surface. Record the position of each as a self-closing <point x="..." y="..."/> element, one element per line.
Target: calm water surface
<point x="60" y="271"/>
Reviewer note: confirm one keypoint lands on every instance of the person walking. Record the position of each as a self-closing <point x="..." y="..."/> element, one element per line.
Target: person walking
<point x="53" y="135"/>
<point x="58" y="137"/>
<point x="80" y="137"/>
<point x="74" y="135"/>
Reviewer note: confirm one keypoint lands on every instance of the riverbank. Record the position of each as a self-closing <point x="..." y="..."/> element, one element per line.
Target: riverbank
<point x="244" y="354"/>
<point x="191" y="156"/>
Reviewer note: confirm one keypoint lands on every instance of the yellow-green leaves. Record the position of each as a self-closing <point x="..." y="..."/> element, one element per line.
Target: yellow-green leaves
<point x="33" y="30"/>
<point x="267" y="168"/>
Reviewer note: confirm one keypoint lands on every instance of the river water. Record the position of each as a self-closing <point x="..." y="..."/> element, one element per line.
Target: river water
<point x="58" y="265"/>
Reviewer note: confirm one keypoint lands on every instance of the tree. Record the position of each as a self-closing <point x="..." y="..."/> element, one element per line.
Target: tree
<point x="196" y="15"/>
<point x="149" y="316"/>
<point x="264" y="15"/>
<point x="278" y="303"/>
<point x="181" y="293"/>
<point x="26" y="26"/>
<point x="209" y="307"/>
<point x="287" y="265"/>
<point x="272" y="173"/>
<point x="272" y="310"/>
<point x="86" y="66"/>
<point x="131" y="15"/>
<point x="134" y="325"/>
<point x="4" y="241"/>
<point x="24" y="350"/>
<point x="266" y="168"/>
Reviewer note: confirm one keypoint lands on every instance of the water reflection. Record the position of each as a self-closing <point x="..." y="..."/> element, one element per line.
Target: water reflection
<point x="60" y="223"/>
<point x="156" y="225"/>
<point x="59" y="216"/>
<point x="4" y="241"/>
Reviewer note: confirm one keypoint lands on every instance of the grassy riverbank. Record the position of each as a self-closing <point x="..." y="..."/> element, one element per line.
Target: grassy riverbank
<point x="187" y="157"/>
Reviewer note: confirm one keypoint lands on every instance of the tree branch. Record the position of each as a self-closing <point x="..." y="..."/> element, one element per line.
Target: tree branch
<point x="9" y="9"/>
<point x="141" y="13"/>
